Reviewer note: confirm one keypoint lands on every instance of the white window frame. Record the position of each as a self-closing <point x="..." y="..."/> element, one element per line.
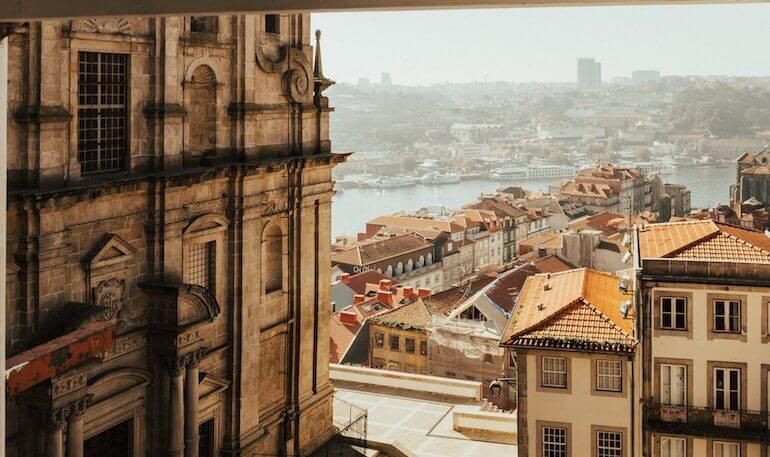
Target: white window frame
<point x="552" y="369"/>
<point x="722" y="449"/>
<point x="673" y="313"/>
<point x="731" y="318"/>
<point x="673" y="446"/>
<point x="726" y="390"/>
<point x="605" y="448"/>
<point x="553" y="438"/>
<point x="609" y="375"/>
<point x="667" y="372"/>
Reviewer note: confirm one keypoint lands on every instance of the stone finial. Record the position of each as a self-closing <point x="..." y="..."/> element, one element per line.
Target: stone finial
<point x="318" y="71"/>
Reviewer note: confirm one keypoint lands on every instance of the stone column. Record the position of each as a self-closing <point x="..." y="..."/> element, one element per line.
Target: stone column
<point x="75" y="427"/>
<point x="54" y="442"/>
<point x="191" y="430"/>
<point x="176" y="410"/>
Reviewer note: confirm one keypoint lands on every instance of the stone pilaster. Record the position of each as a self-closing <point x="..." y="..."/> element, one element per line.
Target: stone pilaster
<point x="176" y="409"/>
<point x="75" y="435"/>
<point x="54" y="440"/>
<point x="191" y="433"/>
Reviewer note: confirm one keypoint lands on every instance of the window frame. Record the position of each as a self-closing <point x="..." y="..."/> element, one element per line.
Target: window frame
<point x="541" y="426"/>
<point x="657" y="308"/>
<point x="727" y="333"/>
<point x="730" y="322"/>
<point x="543" y="371"/>
<point x="208" y="267"/>
<point x="609" y="451"/>
<point x="616" y="377"/>
<point x="274" y="20"/>
<point x="714" y="443"/>
<point x="672" y="439"/>
<point x="727" y="391"/>
<point x="102" y="84"/>
<point x="683" y="389"/>
<point x="397" y="340"/>
<point x="673" y="313"/>
<point x="379" y="343"/>
<point x="406" y="345"/>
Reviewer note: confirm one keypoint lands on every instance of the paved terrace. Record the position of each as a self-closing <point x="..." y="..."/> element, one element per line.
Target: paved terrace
<point x="418" y="421"/>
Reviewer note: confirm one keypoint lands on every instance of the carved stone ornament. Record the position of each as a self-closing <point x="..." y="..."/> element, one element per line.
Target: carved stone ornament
<point x="64" y="386"/>
<point x="269" y="64"/>
<point x="297" y="78"/>
<point x="109" y="295"/>
<point x="106" y="25"/>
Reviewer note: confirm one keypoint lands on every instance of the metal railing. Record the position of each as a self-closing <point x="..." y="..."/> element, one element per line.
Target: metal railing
<point x="351" y="424"/>
<point x="710" y="422"/>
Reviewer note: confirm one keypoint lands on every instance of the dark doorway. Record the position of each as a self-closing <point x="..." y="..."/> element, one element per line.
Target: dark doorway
<point x="113" y="442"/>
<point x="206" y="439"/>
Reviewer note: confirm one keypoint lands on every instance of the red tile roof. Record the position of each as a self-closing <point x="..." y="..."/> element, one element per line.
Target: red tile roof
<point x="359" y="281"/>
<point x="552" y="264"/>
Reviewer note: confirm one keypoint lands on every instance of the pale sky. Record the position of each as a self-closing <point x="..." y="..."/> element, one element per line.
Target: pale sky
<point x="542" y="44"/>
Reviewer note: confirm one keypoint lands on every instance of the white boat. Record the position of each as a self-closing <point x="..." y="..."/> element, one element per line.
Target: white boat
<point x="440" y="178"/>
<point x="550" y="171"/>
<point x="510" y="174"/>
<point x="355" y="180"/>
<point x="392" y="182"/>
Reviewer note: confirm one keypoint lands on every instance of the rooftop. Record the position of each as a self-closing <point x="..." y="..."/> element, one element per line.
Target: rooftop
<point x="378" y="249"/>
<point x="577" y="309"/>
<point x="703" y="240"/>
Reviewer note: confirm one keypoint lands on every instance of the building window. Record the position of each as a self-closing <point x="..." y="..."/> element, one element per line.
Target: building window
<point x="378" y="363"/>
<point x="609" y="444"/>
<point x="554" y="441"/>
<point x="727" y="390"/>
<point x="726" y="449"/>
<point x="554" y="372"/>
<point x="487" y="358"/>
<point x="609" y="375"/>
<point x="451" y="374"/>
<point x="394" y="346"/>
<point x="102" y="111"/>
<point x="272" y="23"/>
<point x="272" y="259"/>
<point x="203" y="24"/>
<point x="727" y="316"/>
<point x="379" y="339"/>
<point x="673" y="313"/>
<point x="423" y="348"/>
<point x="673" y="447"/>
<point x="673" y="384"/>
<point x="201" y="268"/>
<point x="409" y="345"/>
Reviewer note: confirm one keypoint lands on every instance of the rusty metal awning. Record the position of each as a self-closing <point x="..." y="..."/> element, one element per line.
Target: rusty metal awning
<point x="44" y="361"/>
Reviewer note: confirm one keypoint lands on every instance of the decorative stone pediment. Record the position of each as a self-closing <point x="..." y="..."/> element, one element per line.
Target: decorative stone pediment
<point x="112" y="250"/>
<point x="211" y="385"/>
<point x="206" y="224"/>
<point x="179" y="307"/>
<point x="116" y="25"/>
<point x="116" y="382"/>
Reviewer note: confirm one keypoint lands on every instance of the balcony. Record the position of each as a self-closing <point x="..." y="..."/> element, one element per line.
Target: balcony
<point x="708" y="422"/>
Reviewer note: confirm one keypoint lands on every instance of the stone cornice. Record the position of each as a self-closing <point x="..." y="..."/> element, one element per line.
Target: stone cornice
<point x="132" y="182"/>
<point x="161" y="110"/>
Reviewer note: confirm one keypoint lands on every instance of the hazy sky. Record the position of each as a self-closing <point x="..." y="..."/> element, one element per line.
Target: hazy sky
<point x="542" y="44"/>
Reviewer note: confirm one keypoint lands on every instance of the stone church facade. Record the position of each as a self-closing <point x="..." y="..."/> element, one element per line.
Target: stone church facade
<point x="168" y="238"/>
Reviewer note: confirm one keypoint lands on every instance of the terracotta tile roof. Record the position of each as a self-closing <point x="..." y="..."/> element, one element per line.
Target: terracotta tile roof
<point x="498" y="206"/>
<point x="552" y="264"/>
<point x="593" y="190"/>
<point x="412" y="316"/>
<point x="703" y="240"/>
<point x="606" y="222"/>
<point x="378" y="249"/>
<point x="417" y="223"/>
<point x="549" y="240"/>
<point x="578" y="307"/>
<point x="758" y="170"/>
<point x="499" y="291"/>
<point x="340" y="336"/>
<point x="359" y="281"/>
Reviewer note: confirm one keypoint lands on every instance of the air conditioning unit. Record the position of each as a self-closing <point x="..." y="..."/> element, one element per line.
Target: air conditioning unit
<point x="625" y="307"/>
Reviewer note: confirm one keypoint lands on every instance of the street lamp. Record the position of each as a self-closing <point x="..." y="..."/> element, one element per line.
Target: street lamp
<point x="496" y="386"/>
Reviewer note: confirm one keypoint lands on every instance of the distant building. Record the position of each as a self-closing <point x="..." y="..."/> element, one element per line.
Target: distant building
<point x="363" y="83"/>
<point x="641" y="77"/>
<point x="385" y="80"/>
<point x="680" y="199"/>
<point x="609" y="187"/>
<point x="589" y="73"/>
<point x="752" y="181"/>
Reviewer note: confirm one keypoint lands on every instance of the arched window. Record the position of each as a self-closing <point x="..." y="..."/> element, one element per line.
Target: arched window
<point x="389" y="271"/>
<point x="421" y="262"/>
<point x="429" y="259"/>
<point x="409" y="265"/>
<point x="399" y="269"/>
<point x="272" y="259"/>
<point x="203" y="110"/>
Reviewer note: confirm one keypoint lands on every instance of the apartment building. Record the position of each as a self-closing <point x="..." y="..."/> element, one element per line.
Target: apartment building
<point x="485" y="230"/>
<point x="513" y="220"/>
<point x="612" y="188"/>
<point x="704" y="303"/>
<point x="573" y="342"/>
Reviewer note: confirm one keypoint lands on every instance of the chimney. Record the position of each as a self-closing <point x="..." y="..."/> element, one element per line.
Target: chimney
<point x="423" y="292"/>
<point x="348" y="317"/>
<point x="409" y="292"/>
<point x="540" y="306"/>
<point x="512" y="291"/>
<point x="358" y="298"/>
<point x="385" y="297"/>
<point x="384" y="284"/>
<point x="345" y="278"/>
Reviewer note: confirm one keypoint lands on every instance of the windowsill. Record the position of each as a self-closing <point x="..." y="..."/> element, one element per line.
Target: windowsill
<point x="274" y="294"/>
<point x="722" y="335"/>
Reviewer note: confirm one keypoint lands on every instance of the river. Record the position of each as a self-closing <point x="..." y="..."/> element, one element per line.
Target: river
<point x="352" y="208"/>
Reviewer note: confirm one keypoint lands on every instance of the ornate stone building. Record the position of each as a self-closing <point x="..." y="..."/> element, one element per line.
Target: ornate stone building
<point x="168" y="227"/>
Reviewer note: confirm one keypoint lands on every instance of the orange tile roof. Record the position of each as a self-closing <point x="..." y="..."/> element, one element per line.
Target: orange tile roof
<point x="359" y="281"/>
<point x="580" y="307"/>
<point x="340" y="337"/>
<point x="552" y="264"/>
<point x="703" y="240"/>
<point x="416" y="223"/>
<point x="414" y="316"/>
<point x="377" y="249"/>
<point x="549" y="240"/>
